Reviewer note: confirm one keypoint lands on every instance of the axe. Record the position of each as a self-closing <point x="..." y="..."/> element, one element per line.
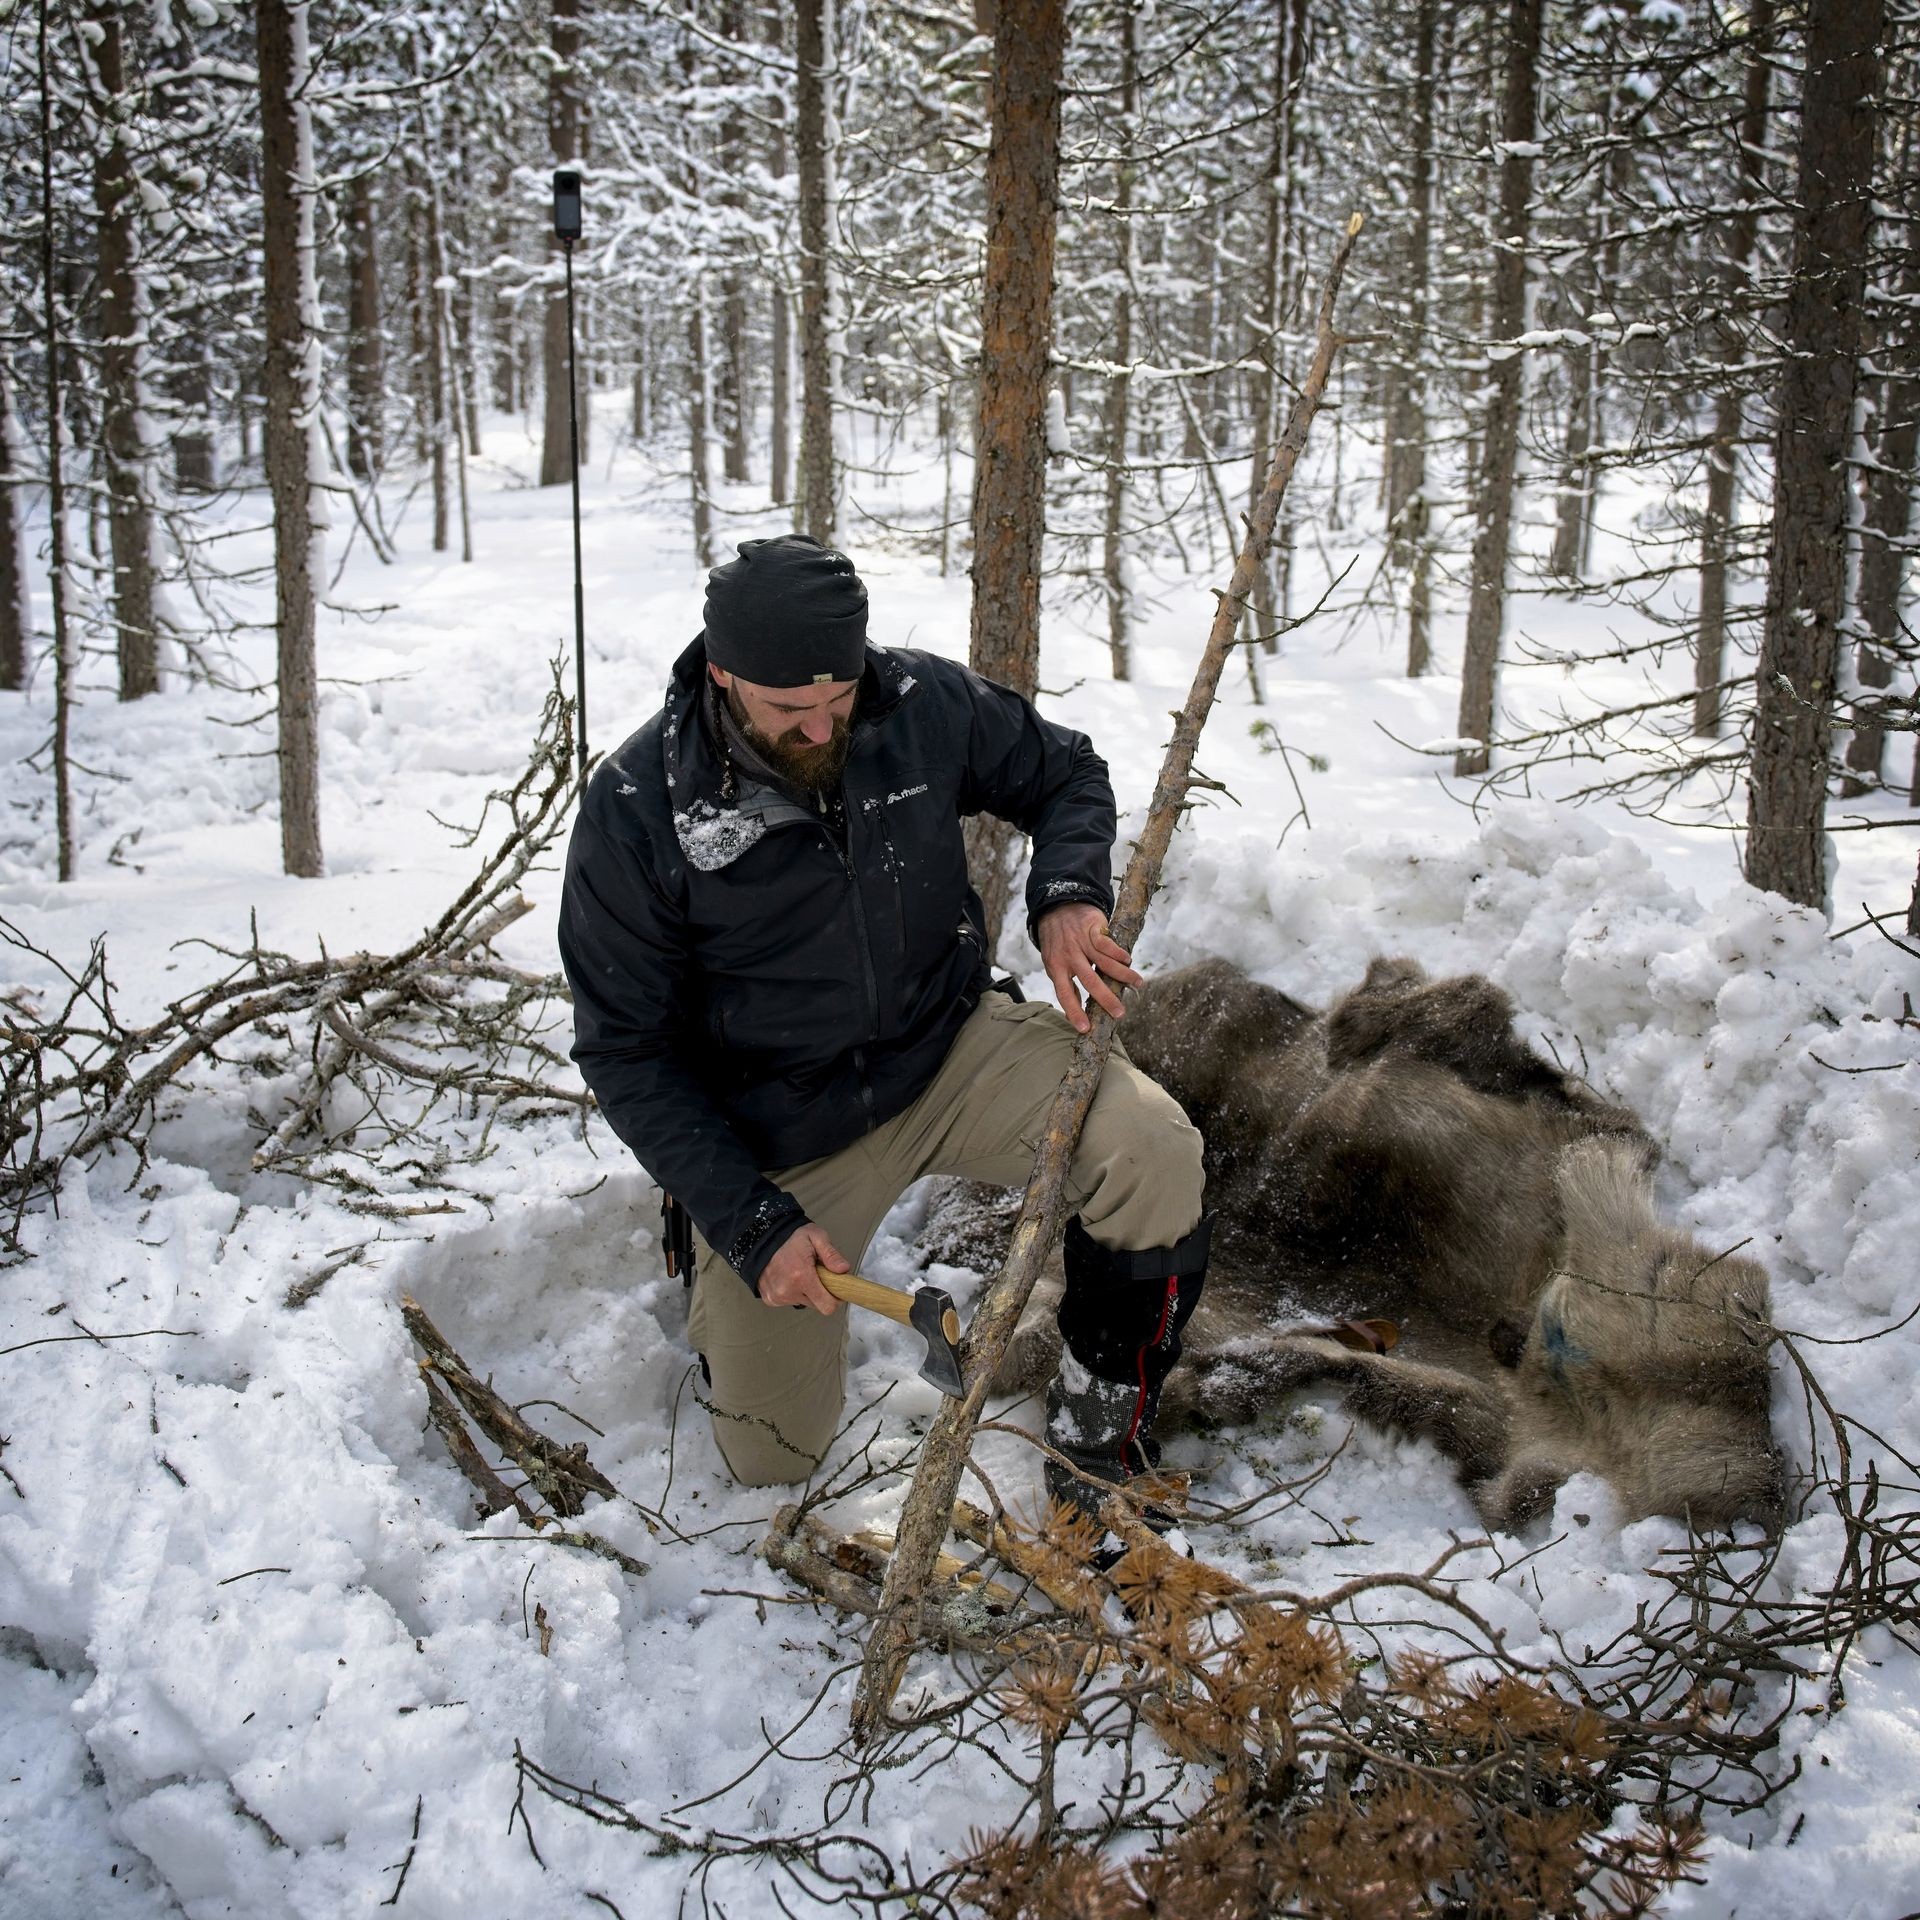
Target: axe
<point x="927" y="1310"/>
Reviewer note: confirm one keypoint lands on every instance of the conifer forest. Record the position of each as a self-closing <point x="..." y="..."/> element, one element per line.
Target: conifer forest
<point x="1455" y="461"/>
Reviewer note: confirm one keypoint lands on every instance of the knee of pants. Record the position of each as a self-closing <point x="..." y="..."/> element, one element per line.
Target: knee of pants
<point x="773" y="1429"/>
<point x="1146" y="1186"/>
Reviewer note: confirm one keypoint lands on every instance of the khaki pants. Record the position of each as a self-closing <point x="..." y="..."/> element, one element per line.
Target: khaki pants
<point x="779" y="1374"/>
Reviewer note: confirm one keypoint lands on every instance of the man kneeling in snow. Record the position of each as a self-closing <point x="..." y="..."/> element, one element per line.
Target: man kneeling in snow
<point x="782" y="1002"/>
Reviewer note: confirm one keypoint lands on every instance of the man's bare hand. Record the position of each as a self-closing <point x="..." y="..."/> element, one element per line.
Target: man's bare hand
<point x="1075" y="947"/>
<point x="788" y="1279"/>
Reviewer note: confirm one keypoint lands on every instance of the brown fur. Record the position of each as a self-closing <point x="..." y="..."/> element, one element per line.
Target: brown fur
<point x="1407" y="1154"/>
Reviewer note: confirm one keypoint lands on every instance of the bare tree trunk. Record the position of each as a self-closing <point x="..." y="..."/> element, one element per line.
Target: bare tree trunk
<point x="65" y="661"/>
<point x="699" y="424"/>
<point x="1889" y="515"/>
<point x="447" y="364"/>
<point x="819" y="503"/>
<point x="193" y="461"/>
<point x="129" y="460"/>
<point x="433" y="373"/>
<point x="1016" y="340"/>
<point x="1806" y="576"/>
<point x="734" y="366"/>
<point x="458" y="227"/>
<point x="366" y="373"/>
<point x="1114" y="534"/>
<point x="946" y="424"/>
<point x="288" y="186"/>
<point x="780" y="402"/>
<point x="1486" y="608"/>
<point x="563" y="134"/>
<point x="1710" y="647"/>
<point x="419" y="318"/>
<point x="780" y="429"/>
<point x="1570" y="510"/>
<point x="1289" y="68"/>
<point x="16" y="596"/>
<point x="1408" y="519"/>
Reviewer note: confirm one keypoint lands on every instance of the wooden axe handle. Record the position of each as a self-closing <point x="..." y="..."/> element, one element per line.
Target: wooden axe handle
<point x="857" y="1290"/>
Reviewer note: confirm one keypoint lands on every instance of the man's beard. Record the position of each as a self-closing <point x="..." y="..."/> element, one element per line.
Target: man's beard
<point x="813" y="769"/>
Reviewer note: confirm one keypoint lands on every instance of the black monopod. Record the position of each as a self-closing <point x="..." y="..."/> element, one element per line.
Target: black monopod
<point x="567" y="229"/>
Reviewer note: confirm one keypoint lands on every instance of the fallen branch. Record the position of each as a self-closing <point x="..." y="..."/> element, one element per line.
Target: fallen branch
<point x="928" y="1512"/>
<point x="562" y="1476"/>
<point x="77" y="1079"/>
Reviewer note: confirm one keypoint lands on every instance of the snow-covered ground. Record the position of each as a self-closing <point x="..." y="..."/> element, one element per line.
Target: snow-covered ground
<point x="250" y="1645"/>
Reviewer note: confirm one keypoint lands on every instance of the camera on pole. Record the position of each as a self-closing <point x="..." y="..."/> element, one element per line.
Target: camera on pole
<point x="568" y="219"/>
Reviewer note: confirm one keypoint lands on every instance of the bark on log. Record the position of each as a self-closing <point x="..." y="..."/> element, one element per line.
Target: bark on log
<point x="928" y="1511"/>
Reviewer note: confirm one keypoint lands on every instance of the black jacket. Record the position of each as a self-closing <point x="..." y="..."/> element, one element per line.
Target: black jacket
<point x="747" y="994"/>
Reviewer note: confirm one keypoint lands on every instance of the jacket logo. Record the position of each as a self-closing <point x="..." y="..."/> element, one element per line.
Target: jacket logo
<point x="906" y="793"/>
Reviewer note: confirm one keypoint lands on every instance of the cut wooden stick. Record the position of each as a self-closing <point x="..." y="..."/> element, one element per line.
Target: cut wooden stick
<point x="928" y="1512"/>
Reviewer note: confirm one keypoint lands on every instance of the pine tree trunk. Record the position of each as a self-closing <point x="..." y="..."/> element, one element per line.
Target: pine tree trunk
<point x="1114" y="533"/>
<point x="1806" y="576"/>
<point x="16" y="598"/>
<point x="1889" y="513"/>
<point x="1016" y="339"/>
<point x="814" y="30"/>
<point x="1289" y="68"/>
<point x="1486" y="608"/>
<point x="734" y="368"/>
<point x="433" y="364"/>
<point x="288" y="187"/>
<point x="366" y="376"/>
<point x="1710" y="646"/>
<point x="194" y="469"/>
<point x="780" y="400"/>
<point x="466" y="301"/>
<point x="563" y="134"/>
<point x="1570" y="510"/>
<point x="447" y="359"/>
<point x="128" y="462"/>
<point x="700" y="424"/>
<point x="419" y="319"/>
<point x="65" y="653"/>
<point x="1407" y="514"/>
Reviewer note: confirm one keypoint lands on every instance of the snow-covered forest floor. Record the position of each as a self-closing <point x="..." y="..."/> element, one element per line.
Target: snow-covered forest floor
<point x="252" y="1652"/>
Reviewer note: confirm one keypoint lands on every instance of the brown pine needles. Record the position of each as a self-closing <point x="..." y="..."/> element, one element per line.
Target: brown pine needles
<point x="1332" y="1788"/>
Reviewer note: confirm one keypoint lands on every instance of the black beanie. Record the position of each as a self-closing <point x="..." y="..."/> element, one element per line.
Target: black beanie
<point x="788" y="613"/>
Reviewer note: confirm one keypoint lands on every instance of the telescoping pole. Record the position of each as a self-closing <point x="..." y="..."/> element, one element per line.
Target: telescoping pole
<point x="567" y="227"/>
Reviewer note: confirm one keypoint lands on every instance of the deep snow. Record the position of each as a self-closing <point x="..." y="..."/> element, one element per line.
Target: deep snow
<point x="245" y="1626"/>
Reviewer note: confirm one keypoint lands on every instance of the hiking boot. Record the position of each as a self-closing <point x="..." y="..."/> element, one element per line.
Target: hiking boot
<point x="1120" y="1323"/>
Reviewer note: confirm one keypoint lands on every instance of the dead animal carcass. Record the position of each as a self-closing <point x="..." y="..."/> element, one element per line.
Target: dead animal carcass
<point x="1405" y="1154"/>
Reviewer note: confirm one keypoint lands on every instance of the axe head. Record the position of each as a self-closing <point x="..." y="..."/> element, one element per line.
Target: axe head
<point x="934" y="1319"/>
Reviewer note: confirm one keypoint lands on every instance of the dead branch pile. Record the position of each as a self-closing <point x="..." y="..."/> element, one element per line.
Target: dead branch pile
<point x="354" y="1055"/>
<point x="1376" y="1749"/>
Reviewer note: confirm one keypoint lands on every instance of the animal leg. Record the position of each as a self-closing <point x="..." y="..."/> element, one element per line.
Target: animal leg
<point x="1465" y="1420"/>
